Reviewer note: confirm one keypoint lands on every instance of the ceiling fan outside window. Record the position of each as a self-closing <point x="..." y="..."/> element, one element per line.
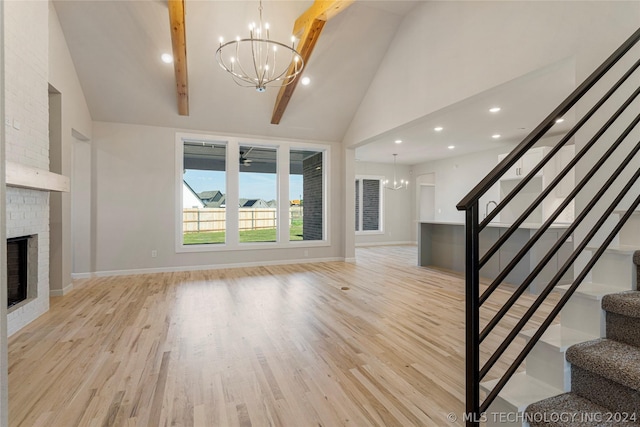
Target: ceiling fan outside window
<point x="244" y="161"/>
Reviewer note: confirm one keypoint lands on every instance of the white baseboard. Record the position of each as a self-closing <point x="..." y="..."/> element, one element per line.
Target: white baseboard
<point x="75" y="276"/>
<point x="359" y="245"/>
<point x="133" y="272"/>
<point x="61" y="292"/>
<point x="351" y="260"/>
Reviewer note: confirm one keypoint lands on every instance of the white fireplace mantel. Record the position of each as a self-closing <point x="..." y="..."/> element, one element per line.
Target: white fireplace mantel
<point x="36" y="179"/>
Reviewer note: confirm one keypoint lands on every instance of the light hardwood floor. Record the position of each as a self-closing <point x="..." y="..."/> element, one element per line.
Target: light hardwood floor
<point x="264" y="346"/>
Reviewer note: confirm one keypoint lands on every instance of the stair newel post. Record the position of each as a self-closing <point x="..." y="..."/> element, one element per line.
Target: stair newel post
<point x="472" y="296"/>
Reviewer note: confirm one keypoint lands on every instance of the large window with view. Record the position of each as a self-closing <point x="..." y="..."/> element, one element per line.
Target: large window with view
<point x="204" y="192"/>
<point x="240" y="194"/>
<point x="306" y="195"/>
<point x="368" y="204"/>
<point x="258" y="190"/>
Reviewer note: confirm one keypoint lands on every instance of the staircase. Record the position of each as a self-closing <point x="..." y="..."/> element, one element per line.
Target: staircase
<point x="605" y="374"/>
<point x="588" y="362"/>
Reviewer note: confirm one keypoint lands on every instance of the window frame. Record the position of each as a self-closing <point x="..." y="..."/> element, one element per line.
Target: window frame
<point x="380" y="229"/>
<point x="245" y="143"/>
<point x="232" y="171"/>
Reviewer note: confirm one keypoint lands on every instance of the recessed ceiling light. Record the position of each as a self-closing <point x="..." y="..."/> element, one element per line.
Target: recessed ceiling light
<point x="305" y="81"/>
<point x="398" y="141"/>
<point x="451" y="147"/>
<point x="438" y="128"/>
<point x="496" y="136"/>
<point x="560" y="120"/>
<point x="166" y="58"/>
<point x="494" y="109"/>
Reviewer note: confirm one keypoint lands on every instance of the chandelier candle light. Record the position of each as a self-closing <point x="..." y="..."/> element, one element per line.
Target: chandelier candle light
<point x="396" y="185"/>
<point x="258" y="61"/>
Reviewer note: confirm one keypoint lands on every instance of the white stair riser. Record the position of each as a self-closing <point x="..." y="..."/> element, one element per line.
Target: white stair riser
<point x="604" y="231"/>
<point x="584" y="314"/>
<point x="616" y="269"/>
<point x="630" y="233"/>
<point x="548" y="364"/>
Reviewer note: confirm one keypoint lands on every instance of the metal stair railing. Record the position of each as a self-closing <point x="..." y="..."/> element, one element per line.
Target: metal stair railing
<point x="617" y="186"/>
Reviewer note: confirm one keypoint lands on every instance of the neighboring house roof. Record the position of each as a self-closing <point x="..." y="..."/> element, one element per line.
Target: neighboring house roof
<point x="210" y="196"/>
<point x="253" y="203"/>
<point x="220" y="203"/>
<point x="194" y="196"/>
<point x="215" y="199"/>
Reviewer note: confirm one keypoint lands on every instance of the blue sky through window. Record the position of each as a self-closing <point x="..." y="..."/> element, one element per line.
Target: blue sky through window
<point x="252" y="185"/>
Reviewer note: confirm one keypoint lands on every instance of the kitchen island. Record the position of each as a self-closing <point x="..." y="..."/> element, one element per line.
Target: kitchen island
<point x="442" y="244"/>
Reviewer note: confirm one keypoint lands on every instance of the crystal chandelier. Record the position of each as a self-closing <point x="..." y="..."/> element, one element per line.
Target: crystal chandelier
<point x="258" y="61"/>
<point x="395" y="185"/>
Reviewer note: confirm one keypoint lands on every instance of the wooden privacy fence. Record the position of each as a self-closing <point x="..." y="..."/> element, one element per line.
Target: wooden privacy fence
<point x="214" y="219"/>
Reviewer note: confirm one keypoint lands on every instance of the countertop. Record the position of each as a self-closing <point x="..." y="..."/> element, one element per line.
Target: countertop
<point x="530" y="226"/>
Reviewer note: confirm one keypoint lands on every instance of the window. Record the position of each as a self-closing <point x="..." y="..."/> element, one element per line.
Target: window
<point x="204" y="193"/>
<point x="368" y="204"/>
<point x="258" y="188"/>
<point x="241" y="194"/>
<point x="306" y="195"/>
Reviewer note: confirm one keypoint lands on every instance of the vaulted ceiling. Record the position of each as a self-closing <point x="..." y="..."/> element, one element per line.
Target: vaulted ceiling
<point x="116" y="48"/>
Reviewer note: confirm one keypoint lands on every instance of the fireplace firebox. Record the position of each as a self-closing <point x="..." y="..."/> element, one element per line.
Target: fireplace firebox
<point x="17" y="270"/>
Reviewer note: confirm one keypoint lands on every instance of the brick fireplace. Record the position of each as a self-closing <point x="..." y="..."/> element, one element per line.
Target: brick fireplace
<point x="28" y="215"/>
<point x="26" y="109"/>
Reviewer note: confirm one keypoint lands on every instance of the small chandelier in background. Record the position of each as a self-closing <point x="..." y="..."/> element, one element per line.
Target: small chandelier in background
<point x="395" y="185"/>
<point x="258" y="61"/>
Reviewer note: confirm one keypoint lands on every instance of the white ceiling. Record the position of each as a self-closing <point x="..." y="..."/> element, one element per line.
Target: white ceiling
<point x="469" y="126"/>
<point x="116" y="48"/>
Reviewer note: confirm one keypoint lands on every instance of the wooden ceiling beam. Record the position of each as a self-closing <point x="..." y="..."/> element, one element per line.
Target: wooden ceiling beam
<point x="179" y="44"/>
<point x="307" y="28"/>
<point x="322" y="10"/>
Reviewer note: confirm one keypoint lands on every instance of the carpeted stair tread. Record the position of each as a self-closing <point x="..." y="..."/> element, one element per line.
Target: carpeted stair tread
<point x="570" y="410"/>
<point x="624" y="303"/>
<point x="613" y="360"/>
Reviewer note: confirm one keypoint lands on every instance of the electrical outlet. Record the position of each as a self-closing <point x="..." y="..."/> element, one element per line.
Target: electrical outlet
<point x="154" y="253"/>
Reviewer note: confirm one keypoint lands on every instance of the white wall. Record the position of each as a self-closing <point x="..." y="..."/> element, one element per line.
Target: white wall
<point x="447" y="51"/>
<point x="595" y="155"/>
<point x="135" y="205"/>
<point x="398" y="225"/>
<point x="81" y="208"/>
<point x="70" y="236"/>
<point x="455" y="177"/>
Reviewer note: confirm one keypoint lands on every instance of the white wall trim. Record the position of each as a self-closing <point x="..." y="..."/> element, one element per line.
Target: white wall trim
<point x="207" y="267"/>
<point x="61" y="292"/>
